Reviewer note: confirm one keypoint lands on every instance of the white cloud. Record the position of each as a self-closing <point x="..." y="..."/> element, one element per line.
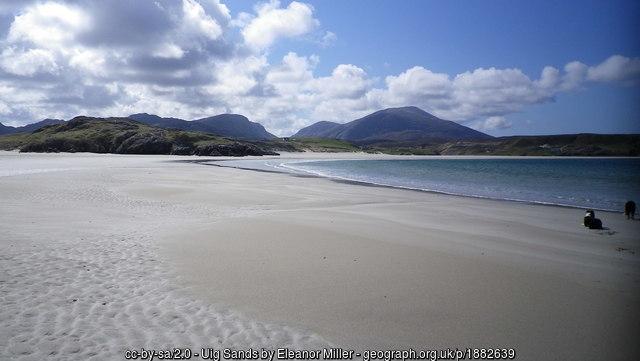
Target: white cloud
<point x="29" y="62"/>
<point x="198" y="22"/>
<point x="417" y="85"/>
<point x="549" y="78"/>
<point x="575" y="74"/>
<point x="494" y="91"/>
<point x="492" y="123"/>
<point x="48" y="25"/>
<point x="481" y="92"/>
<point x="243" y="19"/>
<point x="328" y="39"/>
<point x="90" y="61"/>
<point x="293" y="75"/>
<point x="346" y="81"/>
<point x="615" y="68"/>
<point x="218" y="8"/>
<point x="4" y="109"/>
<point x="238" y="76"/>
<point x="273" y="22"/>
<point x="169" y="51"/>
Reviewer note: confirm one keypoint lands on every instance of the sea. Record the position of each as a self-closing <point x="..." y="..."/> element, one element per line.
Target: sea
<point x="596" y="183"/>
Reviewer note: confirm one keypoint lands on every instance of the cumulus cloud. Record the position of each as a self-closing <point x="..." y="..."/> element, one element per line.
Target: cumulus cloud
<point x="29" y="62"/>
<point x="476" y="93"/>
<point x="195" y="58"/>
<point x="48" y="25"/>
<point x="490" y="92"/>
<point x="273" y="22"/>
<point x="492" y="123"/>
<point x="616" y="68"/>
<point x="198" y="22"/>
<point x="346" y="81"/>
<point x="418" y="84"/>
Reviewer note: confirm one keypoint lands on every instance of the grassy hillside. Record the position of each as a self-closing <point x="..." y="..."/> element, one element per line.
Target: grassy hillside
<point x="551" y="145"/>
<point x="125" y="136"/>
<point x="308" y="145"/>
<point x="324" y="145"/>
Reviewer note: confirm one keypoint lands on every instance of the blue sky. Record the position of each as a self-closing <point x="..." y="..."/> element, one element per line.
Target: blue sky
<point x="288" y="64"/>
<point x="455" y="36"/>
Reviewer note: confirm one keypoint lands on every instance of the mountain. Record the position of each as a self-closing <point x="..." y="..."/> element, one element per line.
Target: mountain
<point x="226" y="125"/>
<point x="126" y="136"/>
<point x="235" y="126"/>
<point x="156" y="121"/>
<point x="5" y="130"/>
<point x="29" y="127"/>
<point x="396" y="125"/>
<point x="35" y="126"/>
<point x="321" y="129"/>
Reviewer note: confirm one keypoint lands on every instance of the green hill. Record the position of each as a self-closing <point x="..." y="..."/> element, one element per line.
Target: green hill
<point x="126" y="136"/>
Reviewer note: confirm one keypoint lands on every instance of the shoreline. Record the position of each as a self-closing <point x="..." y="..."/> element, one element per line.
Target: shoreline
<point x="308" y="174"/>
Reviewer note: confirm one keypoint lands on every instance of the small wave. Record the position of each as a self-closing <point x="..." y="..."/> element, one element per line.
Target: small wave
<point x="321" y="174"/>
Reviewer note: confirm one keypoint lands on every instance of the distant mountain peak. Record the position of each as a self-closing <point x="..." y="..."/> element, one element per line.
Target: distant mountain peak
<point x="145" y="115"/>
<point x="404" y="110"/>
<point x="412" y="108"/>
<point x="408" y="123"/>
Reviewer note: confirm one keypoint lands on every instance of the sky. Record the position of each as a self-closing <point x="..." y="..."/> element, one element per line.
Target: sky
<point x="502" y="67"/>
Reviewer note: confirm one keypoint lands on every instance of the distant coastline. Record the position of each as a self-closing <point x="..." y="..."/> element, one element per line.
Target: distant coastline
<point x="398" y="131"/>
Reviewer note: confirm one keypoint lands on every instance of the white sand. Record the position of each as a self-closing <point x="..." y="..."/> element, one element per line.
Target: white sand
<point x="80" y="274"/>
<point x="190" y="255"/>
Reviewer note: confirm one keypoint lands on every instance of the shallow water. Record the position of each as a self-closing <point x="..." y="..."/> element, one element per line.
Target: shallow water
<point x="601" y="183"/>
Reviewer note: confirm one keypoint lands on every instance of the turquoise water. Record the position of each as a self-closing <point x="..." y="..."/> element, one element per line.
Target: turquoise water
<point x="599" y="183"/>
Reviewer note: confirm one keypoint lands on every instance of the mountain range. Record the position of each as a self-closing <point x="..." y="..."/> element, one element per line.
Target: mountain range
<point x="4" y="129"/>
<point x="406" y="124"/>
<point x="406" y="130"/>
<point x="226" y="125"/>
<point x="393" y="124"/>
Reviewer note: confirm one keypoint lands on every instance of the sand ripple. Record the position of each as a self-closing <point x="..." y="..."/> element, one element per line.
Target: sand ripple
<point x="95" y="298"/>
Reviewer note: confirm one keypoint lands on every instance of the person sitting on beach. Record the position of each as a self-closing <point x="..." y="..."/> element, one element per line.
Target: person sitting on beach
<point x="630" y="209"/>
<point x="590" y="221"/>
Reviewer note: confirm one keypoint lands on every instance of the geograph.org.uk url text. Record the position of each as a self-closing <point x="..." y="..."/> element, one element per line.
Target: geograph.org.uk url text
<point x="266" y="354"/>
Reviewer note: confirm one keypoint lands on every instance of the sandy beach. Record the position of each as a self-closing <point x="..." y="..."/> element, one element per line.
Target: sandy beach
<point x="104" y="253"/>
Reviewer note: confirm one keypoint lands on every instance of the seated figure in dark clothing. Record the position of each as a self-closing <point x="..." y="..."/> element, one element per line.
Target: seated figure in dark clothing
<point x="591" y="221"/>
